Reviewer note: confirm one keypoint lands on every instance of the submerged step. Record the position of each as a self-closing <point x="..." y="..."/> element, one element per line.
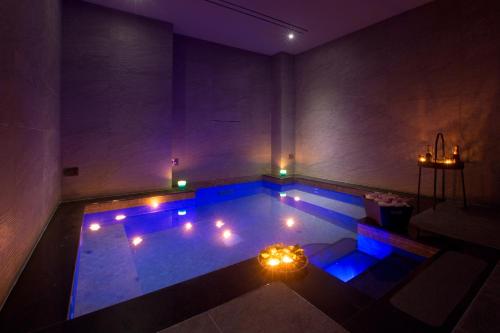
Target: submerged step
<point x="344" y="208"/>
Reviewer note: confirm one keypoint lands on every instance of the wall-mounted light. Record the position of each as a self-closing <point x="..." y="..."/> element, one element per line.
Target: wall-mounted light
<point x="120" y="217"/>
<point x="291" y="36"/>
<point x="181" y="184"/>
<point x="181" y="212"/>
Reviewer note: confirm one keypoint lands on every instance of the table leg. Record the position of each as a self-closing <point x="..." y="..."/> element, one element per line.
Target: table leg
<point x="442" y="185"/>
<point x="418" y="189"/>
<point x="463" y="188"/>
<point x="435" y="185"/>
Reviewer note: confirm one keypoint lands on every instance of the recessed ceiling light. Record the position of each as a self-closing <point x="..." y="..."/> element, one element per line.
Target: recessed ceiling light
<point x="291" y="36"/>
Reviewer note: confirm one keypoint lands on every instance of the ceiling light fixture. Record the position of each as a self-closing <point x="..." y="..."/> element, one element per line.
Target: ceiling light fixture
<point x="291" y="36"/>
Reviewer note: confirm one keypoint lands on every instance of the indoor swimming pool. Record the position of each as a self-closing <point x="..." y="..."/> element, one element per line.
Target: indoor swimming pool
<point x="130" y="252"/>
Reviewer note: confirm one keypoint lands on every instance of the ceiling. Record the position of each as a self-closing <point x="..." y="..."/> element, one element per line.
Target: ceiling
<point x="263" y="25"/>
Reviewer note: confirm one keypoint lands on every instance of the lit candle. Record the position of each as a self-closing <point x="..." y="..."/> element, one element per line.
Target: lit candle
<point x="273" y="262"/>
<point x="219" y="224"/>
<point x="282" y="194"/>
<point x="421" y="159"/>
<point x="188" y="226"/>
<point x="181" y="212"/>
<point x="283" y="172"/>
<point x="296" y="198"/>
<point x="290" y="222"/>
<point x="286" y="259"/>
<point x="181" y="184"/>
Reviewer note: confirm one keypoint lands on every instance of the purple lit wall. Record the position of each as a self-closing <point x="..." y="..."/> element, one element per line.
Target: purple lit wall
<point x="116" y="101"/>
<point x="283" y="114"/>
<point x="222" y="111"/>
<point x="29" y="129"/>
<point x="368" y="103"/>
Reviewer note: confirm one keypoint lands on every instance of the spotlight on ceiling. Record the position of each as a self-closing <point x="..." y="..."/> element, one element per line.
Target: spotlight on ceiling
<point x="291" y="36"/>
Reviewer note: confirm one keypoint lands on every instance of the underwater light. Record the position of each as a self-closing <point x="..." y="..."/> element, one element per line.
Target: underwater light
<point x="181" y="212"/>
<point x="226" y="234"/>
<point x="296" y="198"/>
<point x="95" y="226"/>
<point x="120" y="217"/>
<point x="290" y="222"/>
<point x="136" y="241"/>
<point x="188" y="226"/>
<point x="282" y="194"/>
<point x="283" y="172"/>
<point x="181" y="184"/>
<point x="219" y="224"/>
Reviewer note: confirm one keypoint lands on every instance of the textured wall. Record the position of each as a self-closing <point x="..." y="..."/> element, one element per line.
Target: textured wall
<point x="116" y="101"/>
<point x="368" y="103"/>
<point x="29" y="128"/>
<point x="222" y="111"/>
<point x="283" y="114"/>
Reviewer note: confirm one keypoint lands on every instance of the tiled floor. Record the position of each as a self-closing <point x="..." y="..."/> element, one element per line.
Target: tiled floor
<point x="271" y="308"/>
<point x="433" y="294"/>
<point x="482" y="315"/>
<point x="478" y="225"/>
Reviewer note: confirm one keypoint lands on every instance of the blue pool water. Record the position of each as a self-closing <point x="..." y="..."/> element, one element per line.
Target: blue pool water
<point x="152" y="248"/>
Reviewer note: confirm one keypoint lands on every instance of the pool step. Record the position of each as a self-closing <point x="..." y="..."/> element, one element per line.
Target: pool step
<point x="345" y="215"/>
<point x="341" y="207"/>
